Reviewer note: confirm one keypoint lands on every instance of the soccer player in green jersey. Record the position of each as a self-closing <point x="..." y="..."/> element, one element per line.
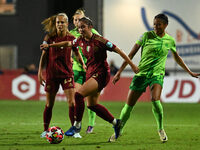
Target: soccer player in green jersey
<point x="79" y="73"/>
<point x="154" y="46"/>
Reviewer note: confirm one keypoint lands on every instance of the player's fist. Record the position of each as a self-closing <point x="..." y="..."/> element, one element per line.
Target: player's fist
<point x="116" y="78"/>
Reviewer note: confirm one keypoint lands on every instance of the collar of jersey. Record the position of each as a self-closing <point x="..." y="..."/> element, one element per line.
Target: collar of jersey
<point x="159" y="36"/>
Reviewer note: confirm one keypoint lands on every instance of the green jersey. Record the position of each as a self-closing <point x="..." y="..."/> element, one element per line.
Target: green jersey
<point x="154" y="53"/>
<point x="76" y="65"/>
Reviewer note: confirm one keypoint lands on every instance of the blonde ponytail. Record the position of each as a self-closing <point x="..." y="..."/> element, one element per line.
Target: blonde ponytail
<point x="50" y="25"/>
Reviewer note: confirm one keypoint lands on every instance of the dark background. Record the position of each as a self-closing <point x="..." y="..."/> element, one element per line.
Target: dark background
<point x="24" y="29"/>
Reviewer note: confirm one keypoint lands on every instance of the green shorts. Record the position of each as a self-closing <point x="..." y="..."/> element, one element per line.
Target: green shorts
<point x="140" y="83"/>
<point x="79" y="76"/>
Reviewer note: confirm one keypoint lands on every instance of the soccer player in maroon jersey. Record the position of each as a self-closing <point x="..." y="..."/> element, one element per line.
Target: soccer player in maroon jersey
<point x="79" y="73"/>
<point x="94" y="48"/>
<point x="58" y="66"/>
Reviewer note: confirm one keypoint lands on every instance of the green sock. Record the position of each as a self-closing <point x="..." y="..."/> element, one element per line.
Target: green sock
<point x="91" y="116"/>
<point x="157" y="110"/>
<point x="125" y="114"/>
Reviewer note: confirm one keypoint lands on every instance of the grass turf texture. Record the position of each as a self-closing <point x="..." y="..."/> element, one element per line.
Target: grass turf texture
<point x="21" y="126"/>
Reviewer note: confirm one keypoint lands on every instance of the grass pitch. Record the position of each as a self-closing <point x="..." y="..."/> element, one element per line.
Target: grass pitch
<point x="21" y="125"/>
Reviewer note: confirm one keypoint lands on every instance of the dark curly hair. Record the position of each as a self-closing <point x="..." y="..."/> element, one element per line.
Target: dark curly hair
<point x="163" y="17"/>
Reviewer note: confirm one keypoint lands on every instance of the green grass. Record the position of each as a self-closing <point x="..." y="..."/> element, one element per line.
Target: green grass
<point x="21" y="126"/>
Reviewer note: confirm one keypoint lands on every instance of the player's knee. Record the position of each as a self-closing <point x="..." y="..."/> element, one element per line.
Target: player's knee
<point x="155" y="98"/>
<point x="49" y="104"/>
<point x="71" y="102"/>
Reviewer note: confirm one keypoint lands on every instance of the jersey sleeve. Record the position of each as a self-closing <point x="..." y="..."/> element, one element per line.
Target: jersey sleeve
<point x="105" y="44"/>
<point x="141" y="40"/>
<point x="173" y="47"/>
<point x="75" y="45"/>
<point x="110" y="46"/>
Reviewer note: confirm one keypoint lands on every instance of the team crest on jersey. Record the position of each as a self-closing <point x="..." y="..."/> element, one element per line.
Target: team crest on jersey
<point x="95" y="75"/>
<point x="166" y="45"/>
<point x="109" y="44"/>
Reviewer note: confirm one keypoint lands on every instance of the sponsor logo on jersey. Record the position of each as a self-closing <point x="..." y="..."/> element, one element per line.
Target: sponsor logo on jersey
<point x="88" y="48"/>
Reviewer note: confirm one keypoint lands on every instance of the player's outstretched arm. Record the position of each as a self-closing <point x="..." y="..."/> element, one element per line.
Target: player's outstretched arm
<point x="59" y="44"/>
<point x="180" y="61"/>
<point x="134" y="50"/>
<point x="42" y="62"/>
<point x="127" y="59"/>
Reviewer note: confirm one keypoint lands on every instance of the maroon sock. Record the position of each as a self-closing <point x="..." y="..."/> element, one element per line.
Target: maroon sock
<point x="79" y="106"/>
<point x="102" y="112"/>
<point x="47" y="117"/>
<point x="71" y="114"/>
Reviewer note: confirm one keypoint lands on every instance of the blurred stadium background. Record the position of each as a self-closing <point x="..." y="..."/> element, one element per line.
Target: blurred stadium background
<point x="121" y="21"/>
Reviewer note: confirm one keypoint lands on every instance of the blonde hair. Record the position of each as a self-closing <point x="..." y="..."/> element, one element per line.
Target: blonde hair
<point x="50" y="24"/>
<point x="79" y="11"/>
<point x="64" y="15"/>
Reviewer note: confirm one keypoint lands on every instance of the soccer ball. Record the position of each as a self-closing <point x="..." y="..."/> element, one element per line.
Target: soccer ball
<point x="54" y="135"/>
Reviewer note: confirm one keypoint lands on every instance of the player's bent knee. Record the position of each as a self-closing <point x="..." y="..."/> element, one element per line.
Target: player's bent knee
<point x="71" y="102"/>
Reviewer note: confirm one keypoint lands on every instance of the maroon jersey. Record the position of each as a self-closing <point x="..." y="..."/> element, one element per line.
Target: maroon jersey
<point x="95" y="52"/>
<point x="59" y="63"/>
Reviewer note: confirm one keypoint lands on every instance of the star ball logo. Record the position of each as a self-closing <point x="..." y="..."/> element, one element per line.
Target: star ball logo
<point x="23" y="87"/>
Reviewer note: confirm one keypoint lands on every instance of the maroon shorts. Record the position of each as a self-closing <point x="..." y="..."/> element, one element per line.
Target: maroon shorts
<point x="102" y="79"/>
<point x="52" y="85"/>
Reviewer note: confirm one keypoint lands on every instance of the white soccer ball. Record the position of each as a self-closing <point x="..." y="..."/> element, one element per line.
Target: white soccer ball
<point x="54" y="135"/>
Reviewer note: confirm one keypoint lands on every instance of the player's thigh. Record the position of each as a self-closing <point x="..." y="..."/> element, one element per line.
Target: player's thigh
<point x="77" y="86"/>
<point x="133" y="96"/>
<point x="90" y="87"/>
<point x="93" y="99"/>
<point x="139" y="83"/>
<point x="70" y="95"/>
<point x="156" y="84"/>
<point x="156" y="90"/>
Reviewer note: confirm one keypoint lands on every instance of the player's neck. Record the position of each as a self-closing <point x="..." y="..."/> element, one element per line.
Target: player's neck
<point x="161" y="34"/>
<point x="62" y="33"/>
<point x="89" y="36"/>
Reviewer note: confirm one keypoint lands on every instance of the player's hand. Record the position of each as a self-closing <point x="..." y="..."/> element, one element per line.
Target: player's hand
<point x="195" y="74"/>
<point x="44" y="46"/>
<point x="116" y="78"/>
<point x="41" y="79"/>
<point x="135" y="69"/>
